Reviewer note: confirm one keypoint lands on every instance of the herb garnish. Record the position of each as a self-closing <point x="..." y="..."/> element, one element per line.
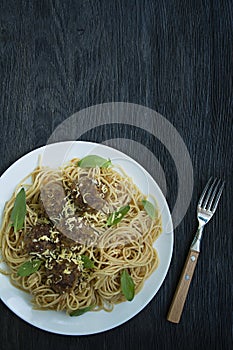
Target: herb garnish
<point x="117" y="216"/>
<point x="149" y="208"/>
<point x="87" y="262"/>
<point x="127" y="285"/>
<point x="19" y="211"/>
<point x="93" y="161"/>
<point x="82" y="311"/>
<point x="29" y="267"/>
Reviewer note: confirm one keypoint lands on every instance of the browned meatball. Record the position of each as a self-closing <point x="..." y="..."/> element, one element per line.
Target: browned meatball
<point x="63" y="277"/>
<point x="77" y="198"/>
<point x="52" y="196"/>
<point x="90" y="194"/>
<point x="38" y="239"/>
<point x="76" y="231"/>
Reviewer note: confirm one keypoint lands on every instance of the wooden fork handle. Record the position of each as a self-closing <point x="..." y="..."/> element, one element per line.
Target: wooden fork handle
<point x="181" y="292"/>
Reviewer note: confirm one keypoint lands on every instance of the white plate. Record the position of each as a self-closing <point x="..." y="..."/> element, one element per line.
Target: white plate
<point x="92" y="322"/>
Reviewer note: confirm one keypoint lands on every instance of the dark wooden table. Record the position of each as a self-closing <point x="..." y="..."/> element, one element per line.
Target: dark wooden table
<point x="174" y="57"/>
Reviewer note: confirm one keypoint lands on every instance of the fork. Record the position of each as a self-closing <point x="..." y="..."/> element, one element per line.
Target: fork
<point x="206" y="208"/>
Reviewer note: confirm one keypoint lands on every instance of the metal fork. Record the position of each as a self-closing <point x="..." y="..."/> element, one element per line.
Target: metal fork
<point x="206" y="208"/>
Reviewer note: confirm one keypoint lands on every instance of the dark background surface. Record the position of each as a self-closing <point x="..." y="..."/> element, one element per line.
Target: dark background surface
<point x="58" y="57"/>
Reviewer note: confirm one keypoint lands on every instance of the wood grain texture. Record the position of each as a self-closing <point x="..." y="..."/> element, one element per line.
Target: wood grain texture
<point x="179" y="298"/>
<point x="58" y="57"/>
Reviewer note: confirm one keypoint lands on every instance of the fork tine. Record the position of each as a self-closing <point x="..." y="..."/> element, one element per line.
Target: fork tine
<point x="208" y="194"/>
<point x="217" y="198"/>
<point x="213" y="193"/>
<point x="204" y="192"/>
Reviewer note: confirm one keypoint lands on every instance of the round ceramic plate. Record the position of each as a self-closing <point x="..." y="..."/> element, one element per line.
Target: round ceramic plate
<point x="55" y="155"/>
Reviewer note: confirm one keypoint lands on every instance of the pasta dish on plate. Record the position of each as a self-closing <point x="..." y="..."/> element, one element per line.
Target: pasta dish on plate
<point x="80" y="237"/>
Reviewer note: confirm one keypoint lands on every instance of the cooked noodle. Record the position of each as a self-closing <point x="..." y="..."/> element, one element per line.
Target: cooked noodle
<point x="128" y="245"/>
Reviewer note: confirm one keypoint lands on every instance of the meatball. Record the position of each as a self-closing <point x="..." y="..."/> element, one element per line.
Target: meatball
<point x="76" y="230"/>
<point x="63" y="277"/>
<point x="52" y="196"/>
<point x="38" y="239"/>
<point x="78" y="199"/>
<point x="90" y="194"/>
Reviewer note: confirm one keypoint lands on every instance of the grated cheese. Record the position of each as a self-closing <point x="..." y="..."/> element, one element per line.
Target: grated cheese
<point x="44" y="238"/>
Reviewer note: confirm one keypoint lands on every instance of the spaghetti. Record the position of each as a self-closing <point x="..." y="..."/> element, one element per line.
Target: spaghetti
<point x="66" y="232"/>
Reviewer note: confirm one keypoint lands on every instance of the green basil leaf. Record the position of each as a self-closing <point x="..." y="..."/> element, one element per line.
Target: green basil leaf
<point x="87" y="262"/>
<point x="82" y="311"/>
<point x="29" y="267"/>
<point x="127" y="285"/>
<point x="149" y="208"/>
<point x="92" y="161"/>
<point x="19" y="211"/>
<point x="117" y="216"/>
<point x="107" y="164"/>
